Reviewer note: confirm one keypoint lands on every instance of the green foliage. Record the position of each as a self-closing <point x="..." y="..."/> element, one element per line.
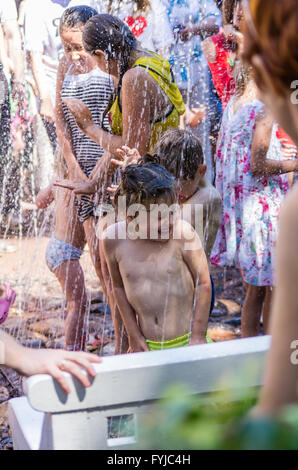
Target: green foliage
<point x="214" y="422"/>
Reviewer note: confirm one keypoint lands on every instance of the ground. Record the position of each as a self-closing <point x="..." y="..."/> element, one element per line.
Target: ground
<point x="37" y="317"/>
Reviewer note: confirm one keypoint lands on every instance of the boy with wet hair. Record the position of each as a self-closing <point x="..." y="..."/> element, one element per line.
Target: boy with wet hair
<point x="181" y="154"/>
<point x="161" y="283"/>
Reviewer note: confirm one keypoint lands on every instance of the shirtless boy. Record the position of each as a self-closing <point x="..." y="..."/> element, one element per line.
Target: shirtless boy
<point x="162" y="289"/>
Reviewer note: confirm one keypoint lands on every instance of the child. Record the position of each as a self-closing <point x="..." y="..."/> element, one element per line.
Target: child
<point x="79" y="77"/>
<point x="181" y="154"/>
<point x="63" y="259"/>
<point x="251" y="182"/>
<point x="177" y="314"/>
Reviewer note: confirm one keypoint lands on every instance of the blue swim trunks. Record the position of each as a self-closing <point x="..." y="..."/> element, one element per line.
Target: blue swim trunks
<point x="58" y="252"/>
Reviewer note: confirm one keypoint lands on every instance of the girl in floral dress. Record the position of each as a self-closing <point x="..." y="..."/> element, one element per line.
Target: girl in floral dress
<point x="250" y="177"/>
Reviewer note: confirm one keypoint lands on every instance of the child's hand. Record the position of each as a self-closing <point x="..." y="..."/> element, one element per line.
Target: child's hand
<point x="80" y="112"/>
<point x="78" y="187"/>
<point x="112" y="190"/>
<point x="44" y="198"/>
<point x="47" y="110"/>
<point x="54" y="362"/>
<point x="187" y="32"/>
<point x="288" y="150"/>
<point x="137" y="345"/>
<point x="193" y="117"/>
<point x="197" y="340"/>
<point x="128" y="157"/>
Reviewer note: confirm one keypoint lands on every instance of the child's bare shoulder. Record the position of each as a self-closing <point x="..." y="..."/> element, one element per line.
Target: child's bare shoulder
<point x="207" y="195"/>
<point x="185" y="232"/>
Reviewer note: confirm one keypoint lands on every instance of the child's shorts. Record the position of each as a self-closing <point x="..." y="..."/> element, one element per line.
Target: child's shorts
<point x="179" y="342"/>
<point x="58" y="252"/>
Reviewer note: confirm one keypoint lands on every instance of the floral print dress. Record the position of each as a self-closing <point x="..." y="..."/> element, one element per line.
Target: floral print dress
<point x="251" y="205"/>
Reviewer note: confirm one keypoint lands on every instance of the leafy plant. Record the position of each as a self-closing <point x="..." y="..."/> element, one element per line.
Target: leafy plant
<point x="218" y="421"/>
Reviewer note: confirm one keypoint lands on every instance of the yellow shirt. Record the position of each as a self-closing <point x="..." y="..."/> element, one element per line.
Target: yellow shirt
<point x="160" y="70"/>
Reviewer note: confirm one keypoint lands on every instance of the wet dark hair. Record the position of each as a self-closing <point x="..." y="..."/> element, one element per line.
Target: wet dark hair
<point x="112" y="36"/>
<point x="75" y="16"/>
<point x="271" y="33"/>
<point x="228" y="10"/>
<point x="145" y="183"/>
<point x="180" y="153"/>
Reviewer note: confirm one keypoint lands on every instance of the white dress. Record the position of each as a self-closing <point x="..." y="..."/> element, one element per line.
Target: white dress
<point x="151" y="27"/>
<point x="250" y="205"/>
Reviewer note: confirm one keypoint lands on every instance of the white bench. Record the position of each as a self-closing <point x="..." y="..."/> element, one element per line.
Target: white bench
<point x="47" y="418"/>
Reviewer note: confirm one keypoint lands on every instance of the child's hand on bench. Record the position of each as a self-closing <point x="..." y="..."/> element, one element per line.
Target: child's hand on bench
<point x="55" y="362"/>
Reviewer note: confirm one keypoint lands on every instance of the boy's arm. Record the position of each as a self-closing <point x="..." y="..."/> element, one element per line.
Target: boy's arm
<point x="137" y="342"/>
<point x="196" y="261"/>
<point x="260" y="165"/>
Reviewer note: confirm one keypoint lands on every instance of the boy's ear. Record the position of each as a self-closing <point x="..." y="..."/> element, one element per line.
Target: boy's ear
<point x="99" y="53"/>
<point x="201" y="172"/>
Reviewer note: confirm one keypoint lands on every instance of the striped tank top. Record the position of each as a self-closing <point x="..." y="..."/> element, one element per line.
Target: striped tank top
<point x="94" y="89"/>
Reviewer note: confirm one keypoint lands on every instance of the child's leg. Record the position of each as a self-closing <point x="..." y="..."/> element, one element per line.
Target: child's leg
<point x="251" y="310"/>
<point x="267" y="309"/>
<point x="71" y="278"/>
<point x="99" y="263"/>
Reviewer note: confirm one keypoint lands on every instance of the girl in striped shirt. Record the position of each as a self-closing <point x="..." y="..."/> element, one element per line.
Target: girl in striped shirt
<point x="78" y="77"/>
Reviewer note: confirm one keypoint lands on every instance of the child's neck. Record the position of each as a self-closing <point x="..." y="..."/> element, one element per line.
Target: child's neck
<point x="79" y="70"/>
<point x="193" y="188"/>
<point x="249" y="93"/>
<point x="138" y="53"/>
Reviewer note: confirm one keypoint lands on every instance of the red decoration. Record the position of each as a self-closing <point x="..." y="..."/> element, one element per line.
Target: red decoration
<point x="136" y="25"/>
